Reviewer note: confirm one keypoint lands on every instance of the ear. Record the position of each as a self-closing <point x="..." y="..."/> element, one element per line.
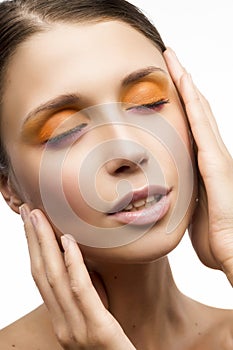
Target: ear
<point x="10" y="194"/>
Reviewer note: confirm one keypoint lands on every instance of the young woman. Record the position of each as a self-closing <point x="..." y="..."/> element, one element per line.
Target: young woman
<point x="109" y="152"/>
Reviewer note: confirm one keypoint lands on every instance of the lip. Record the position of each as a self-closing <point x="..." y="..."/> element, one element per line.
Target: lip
<point x="145" y="216"/>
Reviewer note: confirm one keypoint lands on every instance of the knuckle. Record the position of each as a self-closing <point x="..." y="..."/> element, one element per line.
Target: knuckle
<point x="190" y="101"/>
<point x="79" y="289"/>
<point x="37" y="270"/>
<point x="70" y="337"/>
<point x="39" y="239"/>
<point x="68" y="262"/>
<point x="88" y="339"/>
<point x="76" y="289"/>
<point x="53" y="278"/>
<point x="81" y="341"/>
<point x="62" y="336"/>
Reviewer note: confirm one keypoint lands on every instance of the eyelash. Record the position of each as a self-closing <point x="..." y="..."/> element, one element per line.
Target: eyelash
<point x="153" y="105"/>
<point x="57" y="140"/>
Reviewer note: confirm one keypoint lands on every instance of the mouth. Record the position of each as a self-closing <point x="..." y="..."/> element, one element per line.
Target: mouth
<point x="143" y="203"/>
<point x="142" y="207"/>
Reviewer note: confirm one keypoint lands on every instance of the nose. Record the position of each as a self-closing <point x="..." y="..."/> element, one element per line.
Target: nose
<point x="130" y="161"/>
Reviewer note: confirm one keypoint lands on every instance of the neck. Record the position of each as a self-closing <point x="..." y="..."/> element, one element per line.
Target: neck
<point x="144" y="299"/>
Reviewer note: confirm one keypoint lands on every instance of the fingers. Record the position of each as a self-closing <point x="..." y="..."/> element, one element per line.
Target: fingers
<point x="215" y="165"/>
<point x="51" y="278"/>
<point x="81" y="285"/>
<point x="77" y="312"/>
<point x="200" y="125"/>
<point x="202" y="121"/>
<point x="38" y="269"/>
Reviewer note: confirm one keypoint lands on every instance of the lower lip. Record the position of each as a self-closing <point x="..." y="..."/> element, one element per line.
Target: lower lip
<point x="146" y="216"/>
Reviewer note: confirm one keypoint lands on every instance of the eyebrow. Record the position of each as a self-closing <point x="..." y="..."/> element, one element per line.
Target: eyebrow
<point x="72" y="99"/>
<point x="55" y="103"/>
<point x="140" y="74"/>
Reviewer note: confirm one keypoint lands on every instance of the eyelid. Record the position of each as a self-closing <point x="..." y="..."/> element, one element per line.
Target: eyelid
<point x="66" y="136"/>
<point x="151" y="104"/>
<point x="156" y="84"/>
<point x="148" y="107"/>
<point x="55" y="121"/>
<point x="32" y="131"/>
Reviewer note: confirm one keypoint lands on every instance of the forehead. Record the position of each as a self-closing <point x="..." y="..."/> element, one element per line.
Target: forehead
<point x="89" y="59"/>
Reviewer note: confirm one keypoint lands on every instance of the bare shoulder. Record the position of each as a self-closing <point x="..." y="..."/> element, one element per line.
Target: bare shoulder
<point x="31" y="332"/>
<point x="226" y="329"/>
<point x="216" y="330"/>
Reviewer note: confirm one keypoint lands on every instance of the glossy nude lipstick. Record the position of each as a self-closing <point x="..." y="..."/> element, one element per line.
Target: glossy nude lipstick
<point x="142" y="207"/>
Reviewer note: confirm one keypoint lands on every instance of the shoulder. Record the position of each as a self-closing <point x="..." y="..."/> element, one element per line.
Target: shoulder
<point x="218" y="331"/>
<point x="226" y="330"/>
<point x="31" y="332"/>
<point x="210" y="328"/>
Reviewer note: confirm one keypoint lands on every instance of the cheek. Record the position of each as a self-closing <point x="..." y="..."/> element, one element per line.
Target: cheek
<point x="78" y="188"/>
<point x="73" y="194"/>
<point x="26" y="172"/>
<point x="178" y="119"/>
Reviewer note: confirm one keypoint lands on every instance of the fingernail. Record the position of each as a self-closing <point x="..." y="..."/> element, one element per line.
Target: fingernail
<point x="66" y="240"/>
<point x="170" y="52"/>
<point x="34" y="220"/>
<point x="24" y="212"/>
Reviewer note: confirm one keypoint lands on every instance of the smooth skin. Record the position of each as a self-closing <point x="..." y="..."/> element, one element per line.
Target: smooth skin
<point x="81" y="310"/>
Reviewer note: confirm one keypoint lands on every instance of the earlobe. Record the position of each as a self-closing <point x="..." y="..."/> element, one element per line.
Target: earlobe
<point x="10" y="194"/>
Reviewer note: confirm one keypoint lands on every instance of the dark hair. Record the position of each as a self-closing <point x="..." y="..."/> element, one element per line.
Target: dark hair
<point x="20" y="19"/>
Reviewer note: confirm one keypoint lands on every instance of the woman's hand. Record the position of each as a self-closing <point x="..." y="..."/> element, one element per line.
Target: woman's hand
<point x="211" y="229"/>
<point x="79" y="318"/>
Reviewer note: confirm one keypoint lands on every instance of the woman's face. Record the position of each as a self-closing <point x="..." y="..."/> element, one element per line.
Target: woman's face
<point x="93" y="127"/>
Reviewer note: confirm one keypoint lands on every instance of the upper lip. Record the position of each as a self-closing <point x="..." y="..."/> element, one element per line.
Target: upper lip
<point x="138" y="194"/>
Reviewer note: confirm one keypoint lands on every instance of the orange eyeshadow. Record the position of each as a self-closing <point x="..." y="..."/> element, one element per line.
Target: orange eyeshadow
<point x="42" y="128"/>
<point x="52" y="123"/>
<point x="147" y="91"/>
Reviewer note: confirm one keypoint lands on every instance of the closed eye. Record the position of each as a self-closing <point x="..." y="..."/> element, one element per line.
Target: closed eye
<point x="147" y="107"/>
<point x="68" y="136"/>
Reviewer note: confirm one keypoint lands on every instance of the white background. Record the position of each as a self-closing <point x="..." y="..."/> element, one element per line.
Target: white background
<point x="201" y="34"/>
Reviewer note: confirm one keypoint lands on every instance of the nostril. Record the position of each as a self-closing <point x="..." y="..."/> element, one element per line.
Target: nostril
<point x="134" y="162"/>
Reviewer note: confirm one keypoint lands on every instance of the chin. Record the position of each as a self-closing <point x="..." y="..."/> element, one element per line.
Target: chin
<point x="152" y="246"/>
